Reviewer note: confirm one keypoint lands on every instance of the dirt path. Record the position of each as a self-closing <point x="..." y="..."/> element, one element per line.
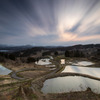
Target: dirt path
<point x="14" y="74"/>
<point x="52" y="74"/>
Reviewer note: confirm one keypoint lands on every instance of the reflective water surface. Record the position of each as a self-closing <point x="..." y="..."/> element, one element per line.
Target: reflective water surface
<point x="74" y="83"/>
<point x="84" y="70"/>
<point x="70" y="84"/>
<point x="4" y="71"/>
<point x="84" y="63"/>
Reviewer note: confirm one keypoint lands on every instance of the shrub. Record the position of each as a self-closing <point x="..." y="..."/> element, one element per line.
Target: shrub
<point x="56" y="53"/>
<point x="30" y="59"/>
<point x="67" y="53"/>
<point x="12" y="57"/>
<point x="46" y="53"/>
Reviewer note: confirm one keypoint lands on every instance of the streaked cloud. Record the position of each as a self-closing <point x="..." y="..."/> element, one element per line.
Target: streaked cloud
<point x="49" y="22"/>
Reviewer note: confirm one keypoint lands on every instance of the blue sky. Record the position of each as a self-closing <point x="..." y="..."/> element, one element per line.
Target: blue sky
<point x="49" y="22"/>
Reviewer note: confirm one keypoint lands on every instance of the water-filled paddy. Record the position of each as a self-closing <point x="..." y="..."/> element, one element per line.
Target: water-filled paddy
<point x="70" y="84"/>
<point x="43" y="62"/>
<point x="83" y="63"/>
<point x="4" y="71"/>
<point x="74" y="83"/>
<point x="83" y="70"/>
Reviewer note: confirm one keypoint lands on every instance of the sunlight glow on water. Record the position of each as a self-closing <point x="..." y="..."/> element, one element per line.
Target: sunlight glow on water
<point x="74" y="83"/>
<point x="84" y="63"/>
<point x="70" y="84"/>
<point x="84" y="70"/>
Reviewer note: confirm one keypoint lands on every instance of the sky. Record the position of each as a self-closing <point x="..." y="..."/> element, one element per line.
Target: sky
<point x="49" y="22"/>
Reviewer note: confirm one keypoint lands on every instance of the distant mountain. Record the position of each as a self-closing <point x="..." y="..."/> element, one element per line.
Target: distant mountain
<point x="15" y="48"/>
<point x="80" y="46"/>
<point x="34" y="50"/>
<point x="84" y="46"/>
<point x="31" y="49"/>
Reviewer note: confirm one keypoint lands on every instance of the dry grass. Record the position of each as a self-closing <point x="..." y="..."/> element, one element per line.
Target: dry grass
<point x="31" y="74"/>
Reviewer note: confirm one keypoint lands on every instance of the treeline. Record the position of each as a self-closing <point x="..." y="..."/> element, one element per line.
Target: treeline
<point x="13" y="57"/>
<point x="7" y="56"/>
<point x="98" y="52"/>
<point x="55" y="53"/>
<point x="96" y="56"/>
<point x="29" y="52"/>
<point x="32" y="59"/>
<point x="74" y="53"/>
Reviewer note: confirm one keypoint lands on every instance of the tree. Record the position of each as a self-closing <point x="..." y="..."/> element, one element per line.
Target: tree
<point x="81" y="54"/>
<point x="30" y="60"/>
<point x="67" y="53"/>
<point x="98" y="52"/>
<point x="77" y="53"/>
<point x="46" y="53"/>
<point x="2" y="59"/>
<point x="55" y="53"/>
<point x="12" y="57"/>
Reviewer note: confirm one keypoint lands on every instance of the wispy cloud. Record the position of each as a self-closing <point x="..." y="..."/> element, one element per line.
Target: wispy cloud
<point x="49" y="22"/>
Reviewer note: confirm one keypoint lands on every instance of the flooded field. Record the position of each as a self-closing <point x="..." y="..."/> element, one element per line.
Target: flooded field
<point x="83" y="70"/>
<point x="4" y="71"/>
<point x="83" y="63"/>
<point x="70" y="84"/>
<point x="74" y="83"/>
<point x="43" y="62"/>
